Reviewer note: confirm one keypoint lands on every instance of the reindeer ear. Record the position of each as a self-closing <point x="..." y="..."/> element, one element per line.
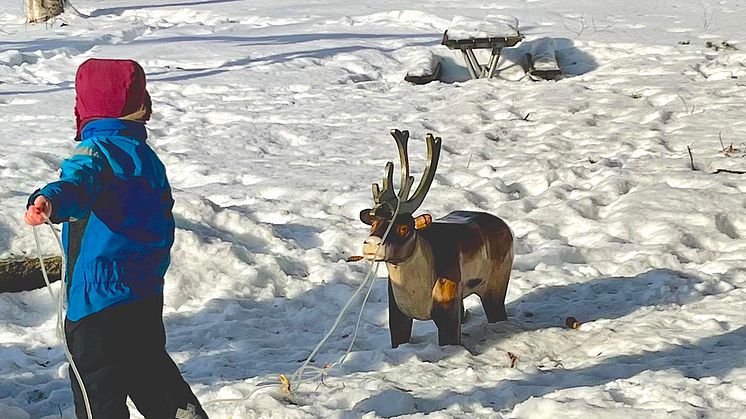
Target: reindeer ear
<point x="366" y="217"/>
<point x="423" y="221"/>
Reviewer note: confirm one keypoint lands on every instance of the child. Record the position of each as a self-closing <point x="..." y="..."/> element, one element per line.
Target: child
<point x="115" y="202"/>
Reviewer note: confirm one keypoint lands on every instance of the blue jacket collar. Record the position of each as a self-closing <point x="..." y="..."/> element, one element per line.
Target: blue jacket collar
<point x="114" y="127"/>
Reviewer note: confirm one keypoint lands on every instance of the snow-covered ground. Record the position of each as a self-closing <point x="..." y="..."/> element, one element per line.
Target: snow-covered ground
<point x="272" y="119"/>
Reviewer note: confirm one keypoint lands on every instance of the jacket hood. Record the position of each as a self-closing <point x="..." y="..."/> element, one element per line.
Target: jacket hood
<point x="108" y="88"/>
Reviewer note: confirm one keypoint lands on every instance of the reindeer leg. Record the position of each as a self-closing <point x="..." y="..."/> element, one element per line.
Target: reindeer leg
<point x="494" y="306"/>
<point x="446" y="311"/>
<point x="400" y="326"/>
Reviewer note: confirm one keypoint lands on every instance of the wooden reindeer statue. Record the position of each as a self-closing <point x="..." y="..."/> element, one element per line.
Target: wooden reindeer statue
<point x="434" y="264"/>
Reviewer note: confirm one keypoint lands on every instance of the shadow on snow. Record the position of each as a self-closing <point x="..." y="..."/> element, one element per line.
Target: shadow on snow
<point x="119" y="10"/>
<point x="243" y="334"/>
<point x="715" y="356"/>
<point x="236" y="338"/>
<point x="320" y="53"/>
<point x="546" y="308"/>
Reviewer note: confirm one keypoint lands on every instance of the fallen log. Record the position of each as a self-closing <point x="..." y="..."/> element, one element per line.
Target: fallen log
<point x="24" y="274"/>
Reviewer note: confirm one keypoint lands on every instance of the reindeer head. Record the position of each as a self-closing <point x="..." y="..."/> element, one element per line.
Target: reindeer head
<point x="391" y="207"/>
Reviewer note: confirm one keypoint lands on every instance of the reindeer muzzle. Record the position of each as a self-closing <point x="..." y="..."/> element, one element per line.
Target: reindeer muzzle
<point x="373" y="249"/>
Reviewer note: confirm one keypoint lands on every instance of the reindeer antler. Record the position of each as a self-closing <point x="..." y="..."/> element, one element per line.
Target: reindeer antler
<point x="386" y="199"/>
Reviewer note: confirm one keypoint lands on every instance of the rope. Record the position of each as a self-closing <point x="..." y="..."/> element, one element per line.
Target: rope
<point x="369" y="280"/>
<point x="298" y="376"/>
<point x="61" y="305"/>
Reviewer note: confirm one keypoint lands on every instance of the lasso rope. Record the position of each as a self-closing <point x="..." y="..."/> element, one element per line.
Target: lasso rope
<point x="369" y="280"/>
<point x="300" y="376"/>
<point x="61" y="305"/>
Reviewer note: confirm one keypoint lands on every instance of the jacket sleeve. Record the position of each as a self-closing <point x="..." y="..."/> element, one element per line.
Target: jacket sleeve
<point x="80" y="183"/>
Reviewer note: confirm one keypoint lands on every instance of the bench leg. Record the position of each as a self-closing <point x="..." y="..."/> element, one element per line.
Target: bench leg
<point x="470" y="65"/>
<point x="478" y="68"/>
<point x="492" y="67"/>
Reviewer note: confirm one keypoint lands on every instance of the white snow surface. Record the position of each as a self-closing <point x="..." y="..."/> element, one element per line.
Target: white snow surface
<point x="272" y="119"/>
<point x="466" y="27"/>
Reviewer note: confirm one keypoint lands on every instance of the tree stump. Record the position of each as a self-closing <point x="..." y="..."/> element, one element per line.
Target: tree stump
<point x="25" y="274"/>
<point x="43" y="10"/>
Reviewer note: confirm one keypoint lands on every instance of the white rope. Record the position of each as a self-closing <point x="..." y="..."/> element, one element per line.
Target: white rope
<point x="61" y="306"/>
<point x="298" y="377"/>
<point x="44" y="268"/>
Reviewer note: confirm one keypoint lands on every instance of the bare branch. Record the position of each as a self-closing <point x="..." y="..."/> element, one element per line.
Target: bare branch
<point x="515" y="26"/>
<point x="583" y="25"/>
<point x="707" y="16"/>
<point x="686" y="106"/>
<point x="720" y="136"/>
<point x="691" y="158"/>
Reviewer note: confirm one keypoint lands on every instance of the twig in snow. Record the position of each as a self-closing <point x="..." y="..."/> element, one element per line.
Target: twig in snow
<point x="518" y="115"/>
<point x="698" y="69"/>
<point x="686" y="106"/>
<point x="691" y="158"/>
<point x="706" y="16"/>
<point x="516" y="26"/>
<point x="513" y="359"/>
<point x="581" y="22"/>
<point x="582" y="25"/>
<point x="720" y="136"/>
<point x="730" y="151"/>
<point x="597" y="28"/>
<point x="734" y="172"/>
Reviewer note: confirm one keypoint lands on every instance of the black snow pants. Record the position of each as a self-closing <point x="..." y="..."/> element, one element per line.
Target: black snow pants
<point x="120" y="352"/>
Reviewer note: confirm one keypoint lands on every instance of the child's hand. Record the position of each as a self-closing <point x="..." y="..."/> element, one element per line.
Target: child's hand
<point x="38" y="213"/>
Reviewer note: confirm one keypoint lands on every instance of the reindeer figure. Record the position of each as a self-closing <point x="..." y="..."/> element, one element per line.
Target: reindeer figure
<point x="433" y="265"/>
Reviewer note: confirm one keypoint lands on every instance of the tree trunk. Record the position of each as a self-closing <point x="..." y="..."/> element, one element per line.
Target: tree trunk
<point x="43" y="10"/>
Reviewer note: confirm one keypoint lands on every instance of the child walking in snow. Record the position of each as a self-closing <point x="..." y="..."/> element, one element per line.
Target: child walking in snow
<point x="115" y="202"/>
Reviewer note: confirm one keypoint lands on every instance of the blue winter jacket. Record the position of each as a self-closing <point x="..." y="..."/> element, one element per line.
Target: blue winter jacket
<point x="114" y="189"/>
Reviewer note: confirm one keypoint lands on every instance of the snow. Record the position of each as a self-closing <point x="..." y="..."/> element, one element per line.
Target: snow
<point x="465" y="27"/>
<point x="272" y="119"/>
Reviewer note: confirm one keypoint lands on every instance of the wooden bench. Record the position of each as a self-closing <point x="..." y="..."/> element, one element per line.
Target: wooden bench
<point x="467" y="46"/>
